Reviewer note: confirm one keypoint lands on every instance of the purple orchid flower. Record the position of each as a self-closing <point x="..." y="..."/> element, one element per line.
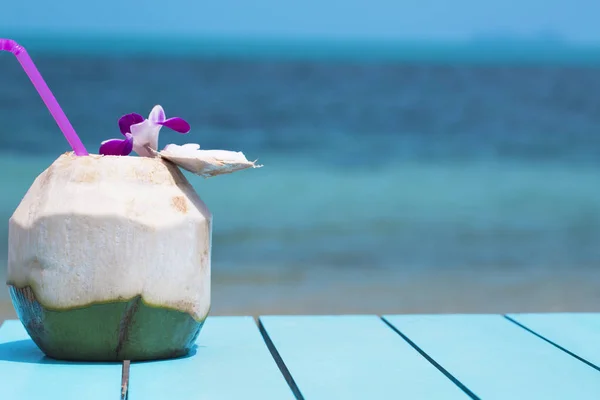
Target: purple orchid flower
<point x="117" y="147"/>
<point x="141" y="135"/>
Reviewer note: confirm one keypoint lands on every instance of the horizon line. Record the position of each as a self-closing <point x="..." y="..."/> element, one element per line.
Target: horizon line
<point x="475" y="49"/>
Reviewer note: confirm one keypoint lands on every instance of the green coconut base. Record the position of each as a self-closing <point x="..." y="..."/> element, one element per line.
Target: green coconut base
<point x="112" y="331"/>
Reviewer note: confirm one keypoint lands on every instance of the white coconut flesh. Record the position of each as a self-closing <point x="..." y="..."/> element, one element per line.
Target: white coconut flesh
<point x="206" y="163"/>
<point x="102" y="228"/>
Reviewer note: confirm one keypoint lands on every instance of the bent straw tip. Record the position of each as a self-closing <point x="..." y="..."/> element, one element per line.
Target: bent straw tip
<point x="10" y="45"/>
<point x="45" y="93"/>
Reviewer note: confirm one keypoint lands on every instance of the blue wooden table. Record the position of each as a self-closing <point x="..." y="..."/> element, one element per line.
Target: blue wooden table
<point x="523" y="356"/>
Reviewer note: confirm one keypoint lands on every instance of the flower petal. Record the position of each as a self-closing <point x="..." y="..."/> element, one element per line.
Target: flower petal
<point x="126" y="121"/>
<point x="145" y="135"/>
<point x="128" y="144"/>
<point x="117" y="147"/>
<point x="177" y="124"/>
<point x="157" y="114"/>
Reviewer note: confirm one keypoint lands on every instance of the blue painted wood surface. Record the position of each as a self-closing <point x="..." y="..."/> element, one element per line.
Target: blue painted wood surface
<point x="231" y="361"/>
<point x="497" y="359"/>
<point x="26" y="374"/>
<point x="354" y="357"/>
<point x="331" y="357"/>
<point x="578" y="333"/>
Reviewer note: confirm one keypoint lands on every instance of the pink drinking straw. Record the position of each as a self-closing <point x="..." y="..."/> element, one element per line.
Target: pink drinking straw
<point x="45" y="93"/>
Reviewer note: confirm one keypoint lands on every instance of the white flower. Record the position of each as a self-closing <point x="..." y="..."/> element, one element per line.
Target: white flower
<point x="145" y="131"/>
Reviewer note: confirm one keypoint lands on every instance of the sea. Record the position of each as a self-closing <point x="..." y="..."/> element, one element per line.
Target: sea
<point x="393" y="181"/>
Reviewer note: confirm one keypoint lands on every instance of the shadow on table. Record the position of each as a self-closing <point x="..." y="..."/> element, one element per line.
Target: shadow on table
<point x="25" y="351"/>
<point x="190" y="354"/>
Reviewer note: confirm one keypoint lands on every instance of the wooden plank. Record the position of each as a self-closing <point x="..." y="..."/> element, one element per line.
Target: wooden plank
<point x="231" y="361"/>
<point x="354" y="357"/>
<point x="497" y="359"/>
<point x="27" y="374"/>
<point x="577" y="333"/>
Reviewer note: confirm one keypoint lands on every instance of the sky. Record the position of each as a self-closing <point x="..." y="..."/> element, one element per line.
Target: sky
<point x="572" y="20"/>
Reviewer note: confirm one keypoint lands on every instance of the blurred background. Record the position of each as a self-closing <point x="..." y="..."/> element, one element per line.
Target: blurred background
<point x="420" y="156"/>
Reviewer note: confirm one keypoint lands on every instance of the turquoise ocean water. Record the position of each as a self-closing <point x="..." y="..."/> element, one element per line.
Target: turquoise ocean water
<point x="375" y="166"/>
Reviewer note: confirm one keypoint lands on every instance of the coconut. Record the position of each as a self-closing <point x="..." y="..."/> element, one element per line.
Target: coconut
<point x="109" y="259"/>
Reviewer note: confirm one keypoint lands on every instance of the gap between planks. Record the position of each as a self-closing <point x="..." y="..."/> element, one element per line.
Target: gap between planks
<point x="125" y="379"/>
<point x="278" y="360"/>
<point x="431" y="360"/>
<point x="583" y="360"/>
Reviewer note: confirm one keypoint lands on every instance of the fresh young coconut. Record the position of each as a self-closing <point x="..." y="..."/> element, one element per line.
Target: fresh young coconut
<point x="109" y="255"/>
